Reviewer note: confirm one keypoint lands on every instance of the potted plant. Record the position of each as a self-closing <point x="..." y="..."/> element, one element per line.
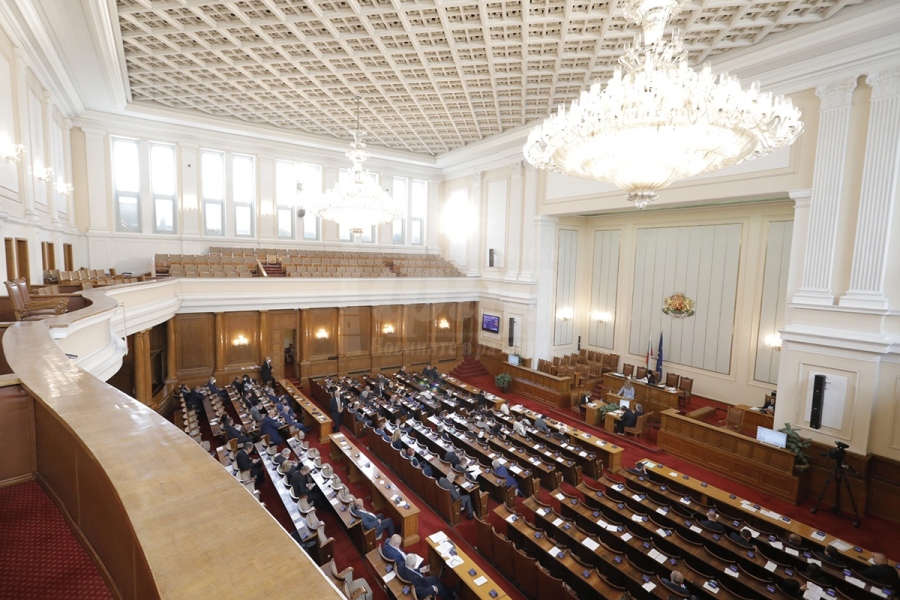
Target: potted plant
<point x="797" y="444"/>
<point x="607" y="408"/>
<point x="502" y="381"/>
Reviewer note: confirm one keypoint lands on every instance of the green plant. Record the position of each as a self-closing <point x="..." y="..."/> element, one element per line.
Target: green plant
<point x="607" y="408"/>
<point x="503" y="380"/>
<point x="796" y="444"/>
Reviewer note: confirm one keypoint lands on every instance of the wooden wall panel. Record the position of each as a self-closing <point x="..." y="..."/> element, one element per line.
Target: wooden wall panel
<point x="56" y="452"/>
<point x="445" y="311"/>
<point x="320" y="319"/>
<point x="356" y="330"/>
<point x="884" y="489"/>
<point x="17" y="432"/>
<point x="387" y="342"/>
<point x="282" y="319"/>
<point x="195" y="344"/>
<point x="417" y="325"/>
<point x="246" y="324"/>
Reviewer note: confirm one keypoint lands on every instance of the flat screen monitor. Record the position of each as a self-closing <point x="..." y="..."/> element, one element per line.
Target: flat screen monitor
<point x="490" y="323"/>
<point x="624" y="403"/>
<point x="771" y="437"/>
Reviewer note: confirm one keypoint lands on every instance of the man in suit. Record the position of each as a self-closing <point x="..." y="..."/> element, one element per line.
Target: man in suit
<point x="503" y="472"/>
<point x="270" y="426"/>
<point x="426" y="468"/>
<point x="391" y="550"/>
<point x="245" y="463"/>
<point x="629" y="419"/>
<point x="426" y="585"/>
<point x="371" y="520"/>
<point x="336" y="407"/>
<point x="214" y="390"/>
<point x="233" y="432"/>
<point x="675" y="582"/>
<point x="255" y="414"/>
<point x="265" y="371"/>
<point x="451" y="458"/>
<point x="449" y="483"/>
<point x="541" y="424"/>
<point x="192" y="398"/>
<point x="711" y="522"/>
<point x="303" y="485"/>
<point x="881" y="571"/>
<point x="744" y="538"/>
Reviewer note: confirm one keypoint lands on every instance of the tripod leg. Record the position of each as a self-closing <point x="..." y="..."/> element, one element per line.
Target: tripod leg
<point x="846" y="479"/>
<point x="831" y="475"/>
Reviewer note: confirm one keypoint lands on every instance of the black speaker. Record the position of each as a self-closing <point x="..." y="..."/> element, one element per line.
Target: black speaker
<point x="490" y="257"/>
<point x="818" y="398"/>
<point x="579" y="343"/>
<point x="512" y="332"/>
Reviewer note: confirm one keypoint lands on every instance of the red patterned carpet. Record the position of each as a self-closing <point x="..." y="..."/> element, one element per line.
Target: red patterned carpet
<point x="40" y="557"/>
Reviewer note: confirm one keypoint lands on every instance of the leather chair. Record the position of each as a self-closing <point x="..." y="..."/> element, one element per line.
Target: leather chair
<point x="628" y="370"/>
<point x="548" y="585"/>
<point x="642" y="425"/>
<point x="672" y="380"/>
<point x="686" y="385"/>
<point x="504" y="555"/>
<point x="641" y="372"/>
<point x="735" y="419"/>
<point x="526" y="573"/>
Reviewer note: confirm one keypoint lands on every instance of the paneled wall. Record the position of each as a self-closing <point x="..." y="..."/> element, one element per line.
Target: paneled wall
<point x="604" y="287"/>
<point x="195" y="344"/>
<point x="774" y="292"/>
<point x="567" y="263"/>
<point x="702" y="263"/>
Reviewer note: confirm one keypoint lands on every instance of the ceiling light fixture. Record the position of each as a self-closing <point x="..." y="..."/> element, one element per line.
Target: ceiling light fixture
<point x="13" y="152"/>
<point x="659" y="121"/>
<point x="356" y="202"/>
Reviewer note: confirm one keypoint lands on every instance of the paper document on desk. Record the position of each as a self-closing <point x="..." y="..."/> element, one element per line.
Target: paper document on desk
<point x="649" y="586"/>
<point x="438" y="537"/>
<point x="390" y="576"/>
<point x="480" y="581"/>
<point x="841" y="545"/>
<point x="591" y="544"/>
<point x="454" y="561"/>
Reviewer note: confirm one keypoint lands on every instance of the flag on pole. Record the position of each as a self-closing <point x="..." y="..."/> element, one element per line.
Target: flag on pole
<point x="649" y="351"/>
<point x="659" y="354"/>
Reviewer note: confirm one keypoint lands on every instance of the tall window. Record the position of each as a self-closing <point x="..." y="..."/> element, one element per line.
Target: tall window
<point x="285" y="196"/>
<point x="401" y="199"/>
<point x="368" y="236"/>
<point x="162" y="186"/>
<point x="243" y="176"/>
<point x="310" y="178"/>
<point x="127" y="184"/>
<point x="212" y="165"/>
<point x="418" y="208"/>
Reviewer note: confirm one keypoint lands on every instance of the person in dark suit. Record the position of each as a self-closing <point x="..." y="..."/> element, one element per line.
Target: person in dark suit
<point x="744" y="538"/>
<point x="270" y="426"/>
<point x="238" y="384"/>
<point x="711" y="522"/>
<point x="791" y="587"/>
<point x="451" y="458"/>
<point x="426" y="468"/>
<point x="652" y="377"/>
<point x="233" y="432"/>
<point x="881" y="571"/>
<point x="629" y="419"/>
<point x="304" y="486"/>
<point x="265" y="371"/>
<point x="245" y="463"/>
<point x="214" y="390"/>
<point x="192" y="397"/>
<point x="832" y="556"/>
<point x="397" y="439"/>
<point x="503" y="472"/>
<point x="541" y="424"/>
<point x="391" y="549"/>
<point x="675" y="582"/>
<point x="336" y="407"/>
<point x="426" y="585"/>
<point x="372" y="521"/>
<point x="449" y="483"/>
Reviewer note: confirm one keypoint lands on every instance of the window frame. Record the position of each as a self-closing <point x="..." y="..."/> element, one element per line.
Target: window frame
<point x="251" y="204"/>
<point x="156" y="197"/>
<point x="119" y="195"/>
<point x="206" y="201"/>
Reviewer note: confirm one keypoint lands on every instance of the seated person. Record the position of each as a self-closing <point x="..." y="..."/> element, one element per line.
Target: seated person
<point x="192" y="398"/>
<point x="391" y="550"/>
<point x="397" y="439"/>
<point x="640" y="470"/>
<point x="254" y="413"/>
<point x="425" y="585"/>
<point x="519" y="427"/>
<point x="214" y="390"/>
<point x="791" y="587"/>
<point x="675" y="582"/>
<point x="629" y="419"/>
<point x="881" y="571"/>
<point x="372" y="521"/>
<point x="627" y="390"/>
<point x="504" y="409"/>
<point x="451" y="458"/>
<point x="502" y="471"/>
<point x="744" y="538"/>
<point x="449" y="483"/>
<point x="541" y="424"/>
<point x="304" y="535"/>
<point x="769" y="405"/>
<point x="711" y="522"/>
<point x="303" y="485"/>
<point x="831" y="556"/>
<point x="233" y="432"/>
<point x="253" y="466"/>
<point x="270" y="426"/>
<point x="282" y="456"/>
<point x="652" y="378"/>
<point x="426" y="468"/>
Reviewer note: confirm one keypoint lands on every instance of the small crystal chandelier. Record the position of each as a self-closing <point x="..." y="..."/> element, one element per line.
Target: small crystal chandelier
<point x="356" y="202"/>
<point x="659" y="121"/>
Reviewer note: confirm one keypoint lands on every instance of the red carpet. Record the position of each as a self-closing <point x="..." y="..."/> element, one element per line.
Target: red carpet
<point x="40" y="557"/>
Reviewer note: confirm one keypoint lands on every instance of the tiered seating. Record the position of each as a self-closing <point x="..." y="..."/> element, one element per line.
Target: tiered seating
<point x="242" y="262"/>
<point x="24" y="308"/>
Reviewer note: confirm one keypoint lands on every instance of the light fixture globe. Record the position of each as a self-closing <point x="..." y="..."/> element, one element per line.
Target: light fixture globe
<point x="658" y="121"/>
<point x="356" y="201"/>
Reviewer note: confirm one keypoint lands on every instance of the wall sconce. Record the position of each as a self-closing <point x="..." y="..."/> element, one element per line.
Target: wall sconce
<point x="603" y="317"/>
<point x="45" y="175"/>
<point x="13" y="152"/>
<point x="566" y="314"/>
<point x="64" y="188"/>
<point x="321" y="334"/>
<point x="443" y="324"/>
<point x="240" y="341"/>
<point x="773" y="341"/>
<point x="387" y="329"/>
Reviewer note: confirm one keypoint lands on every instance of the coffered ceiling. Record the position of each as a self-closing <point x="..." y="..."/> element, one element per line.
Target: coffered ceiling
<point x="434" y="75"/>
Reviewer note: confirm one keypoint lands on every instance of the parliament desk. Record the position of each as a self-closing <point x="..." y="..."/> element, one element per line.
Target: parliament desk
<point x="611" y="453"/>
<point x="311" y="413"/>
<point x="385" y="494"/>
<point x="496" y="401"/>
<point x="444" y="553"/>
<point x="212" y="415"/>
<point x="741" y="458"/>
<point x="654" y="398"/>
<point x="753" y="418"/>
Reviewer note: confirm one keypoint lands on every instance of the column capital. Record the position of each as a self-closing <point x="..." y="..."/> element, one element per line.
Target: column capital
<point x="884" y="84"/>
<point x="837" y="94"/>
<point x="476" y="178"/>
<point x="516" y="168"/>
<point x="800" y="197"/>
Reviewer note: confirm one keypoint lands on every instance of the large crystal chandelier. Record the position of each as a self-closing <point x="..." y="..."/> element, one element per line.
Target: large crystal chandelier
<point x="658" y="120"/>
<point x="356" y="202"/>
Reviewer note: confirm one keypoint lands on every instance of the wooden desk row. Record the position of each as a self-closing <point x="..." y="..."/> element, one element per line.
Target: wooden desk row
<point x="312" y="414"/>
<point x="385" y="494"/>
<point x="445" y="555"/>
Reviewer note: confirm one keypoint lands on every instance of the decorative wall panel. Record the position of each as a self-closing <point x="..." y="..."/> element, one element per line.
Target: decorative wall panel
<point x="195" y="344"/>
<point x="771" y="311"/>
<point x="565" y="287"/>
<point x="356" y="329"/>
<point x="702" y="263"/>
<point x="604" y="287"/>
<point x="239" y="326"/>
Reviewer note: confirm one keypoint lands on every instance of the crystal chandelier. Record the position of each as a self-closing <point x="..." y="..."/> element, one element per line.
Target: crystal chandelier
<point x="659" y="121"/>
<point x="356" y="202"/>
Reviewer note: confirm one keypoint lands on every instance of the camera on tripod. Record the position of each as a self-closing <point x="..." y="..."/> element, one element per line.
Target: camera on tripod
<point x="839" y="453"/>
